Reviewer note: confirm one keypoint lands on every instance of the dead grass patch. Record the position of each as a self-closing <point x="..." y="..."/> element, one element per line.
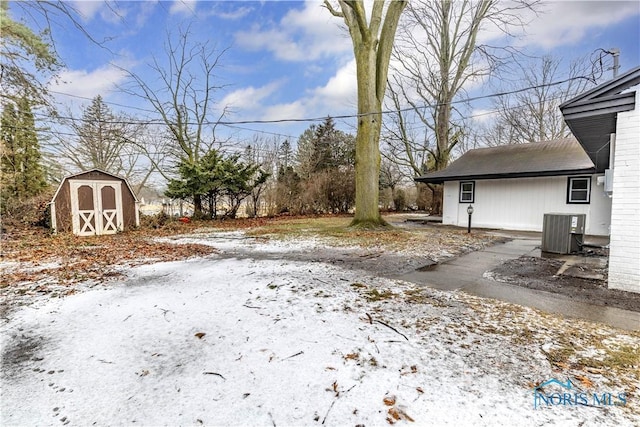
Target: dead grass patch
<point x="421" y="296"/>
<point x="379" y="295"/>
<point x="335" y="231"/>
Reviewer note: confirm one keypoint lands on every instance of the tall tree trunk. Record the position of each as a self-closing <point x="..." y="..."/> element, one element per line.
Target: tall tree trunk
<point x="367" y="141"/>
<point x="197" y="206"/>
<point x="372" y="44"/>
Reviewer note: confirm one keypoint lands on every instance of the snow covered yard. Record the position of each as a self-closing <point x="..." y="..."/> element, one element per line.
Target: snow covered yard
<point x="255" y="335"/>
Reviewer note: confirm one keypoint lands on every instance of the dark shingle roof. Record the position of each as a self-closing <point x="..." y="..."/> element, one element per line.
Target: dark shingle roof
<point x="550" y="158"/>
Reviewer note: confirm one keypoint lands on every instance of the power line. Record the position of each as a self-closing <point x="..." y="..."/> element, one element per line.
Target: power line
<point x="103" y="100"/>
<point x="236" y="124"/>
<point x="262" y="131"/>
<point x="230" y="123"/>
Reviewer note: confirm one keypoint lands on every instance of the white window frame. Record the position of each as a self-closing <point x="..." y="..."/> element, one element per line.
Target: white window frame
<point x="571" y="190"/>
<point x="467" y="192"/>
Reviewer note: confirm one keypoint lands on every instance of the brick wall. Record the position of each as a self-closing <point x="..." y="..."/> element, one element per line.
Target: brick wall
<point x="624" y="256"/>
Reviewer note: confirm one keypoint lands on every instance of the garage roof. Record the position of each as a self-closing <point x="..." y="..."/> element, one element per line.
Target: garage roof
<point x="550" y="158"/>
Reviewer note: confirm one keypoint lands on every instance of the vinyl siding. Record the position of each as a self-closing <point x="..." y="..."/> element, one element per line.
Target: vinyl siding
<point x="520" y="204"/>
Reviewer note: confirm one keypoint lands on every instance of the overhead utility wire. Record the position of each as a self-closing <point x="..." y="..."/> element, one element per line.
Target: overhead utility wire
<point x="484" y="113"/>
<point x="103" y="100"/>
<point x="470" y="116"/>
<point x="343" y="116"/>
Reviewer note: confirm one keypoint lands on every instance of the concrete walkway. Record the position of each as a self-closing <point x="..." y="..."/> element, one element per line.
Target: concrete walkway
<point x="466" y="273"/>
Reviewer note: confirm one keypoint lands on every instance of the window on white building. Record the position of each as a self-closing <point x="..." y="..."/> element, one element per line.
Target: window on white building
<point x="467" y="191"/>
<point x="579" y="189"/>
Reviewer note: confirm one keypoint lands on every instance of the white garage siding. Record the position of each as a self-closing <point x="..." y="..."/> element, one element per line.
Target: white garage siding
<point x="624" y="255"/>
<point x="520" y="204"/>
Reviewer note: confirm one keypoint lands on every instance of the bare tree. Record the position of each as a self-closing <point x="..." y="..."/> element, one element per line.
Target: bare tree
<point x="263" y="152"/>
<point x="437" y="55"/>
<point x="103" y="141"/>
<point x="406" y="144"/>
<point x="372" y="45"/>
<point x="391" y="178"/>
<point x="533" y="115"/>
<point x="390" y="175"/>
<point x="184" y="99"/>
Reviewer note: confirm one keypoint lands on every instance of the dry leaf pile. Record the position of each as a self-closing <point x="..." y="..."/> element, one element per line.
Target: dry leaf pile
<point x="36" y="261"/>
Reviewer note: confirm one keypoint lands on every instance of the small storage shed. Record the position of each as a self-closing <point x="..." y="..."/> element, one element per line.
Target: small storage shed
<point x="94" y="203"/>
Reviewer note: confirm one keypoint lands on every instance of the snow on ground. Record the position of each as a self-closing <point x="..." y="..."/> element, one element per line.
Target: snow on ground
<point x="247" y="341"/>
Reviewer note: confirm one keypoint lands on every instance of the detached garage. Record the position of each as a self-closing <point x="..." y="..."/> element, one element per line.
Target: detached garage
<point x="512" y="187"/>
<point x="94" y="203"/>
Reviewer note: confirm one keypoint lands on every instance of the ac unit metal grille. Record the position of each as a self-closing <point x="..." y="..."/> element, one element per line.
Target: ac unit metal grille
<point x="562" y="233"/>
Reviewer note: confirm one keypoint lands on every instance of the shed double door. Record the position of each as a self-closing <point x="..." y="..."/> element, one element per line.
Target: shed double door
<point x="96" y="207"/>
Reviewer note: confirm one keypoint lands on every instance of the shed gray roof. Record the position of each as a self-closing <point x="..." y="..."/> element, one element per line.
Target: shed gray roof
<point x="592" y="115"/>
<point x="550" y="158"/>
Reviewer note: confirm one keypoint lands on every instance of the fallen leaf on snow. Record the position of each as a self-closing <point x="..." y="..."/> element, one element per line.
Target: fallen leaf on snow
<point x="399" y="414"/>
<point x="584" y="381"/>
<point x="389" y="400"/>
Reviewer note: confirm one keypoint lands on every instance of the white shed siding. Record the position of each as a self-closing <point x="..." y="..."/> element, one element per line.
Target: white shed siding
<point x="624" y="255"/>
<point x="520" y="204"/>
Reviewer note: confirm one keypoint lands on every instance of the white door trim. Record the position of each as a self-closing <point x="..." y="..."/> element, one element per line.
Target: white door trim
<point x="106" y="221"/>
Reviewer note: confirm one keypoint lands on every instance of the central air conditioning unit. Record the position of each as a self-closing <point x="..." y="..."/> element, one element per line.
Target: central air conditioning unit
<point x="562" y="233"/>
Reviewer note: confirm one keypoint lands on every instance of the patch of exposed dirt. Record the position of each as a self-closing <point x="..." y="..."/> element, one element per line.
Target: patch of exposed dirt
<point x="541" y="274"/>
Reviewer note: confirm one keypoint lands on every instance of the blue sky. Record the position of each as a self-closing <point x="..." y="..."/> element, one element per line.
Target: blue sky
<point x="287" y="59"/>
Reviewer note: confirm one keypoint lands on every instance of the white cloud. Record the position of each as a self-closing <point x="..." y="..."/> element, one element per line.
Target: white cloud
<point x="111" y="12"/>
<point x="238" y="13"/>
<point x="340" y="91"/>
<point x="276" y="41"/>
<point x="483" y="115"/>
<point x="312" y="70"/>
<point x="87" y="9"/>
<point x="249" y="99"/>
<point x="303" y="34"/>
<point x="144" y="12"/>
<point x="115" y="14"/>
<point x="337" y="96"/>
<point x="89" y="84"/>
<point x="291" y="110"/>
<point x="186" y="7"/>
<point x="566" y="23"/>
